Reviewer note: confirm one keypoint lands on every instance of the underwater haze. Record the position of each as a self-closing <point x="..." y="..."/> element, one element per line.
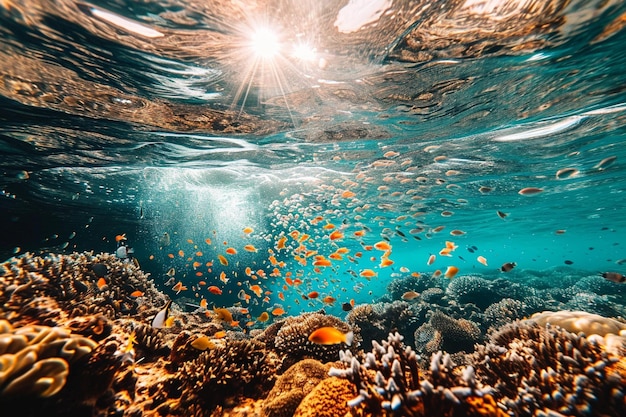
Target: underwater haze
<point x="408" y="124"/>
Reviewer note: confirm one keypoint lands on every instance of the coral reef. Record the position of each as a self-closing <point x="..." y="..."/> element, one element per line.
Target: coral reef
<point x="53" y="289"/>
<point x="545" y="371"/>
<point x="390" y="383"/>
<point x="70" y="345"/>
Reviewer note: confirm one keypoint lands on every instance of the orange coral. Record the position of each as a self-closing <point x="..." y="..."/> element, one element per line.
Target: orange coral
<point x="484" y="406"/>
<point x="328" y="399"/>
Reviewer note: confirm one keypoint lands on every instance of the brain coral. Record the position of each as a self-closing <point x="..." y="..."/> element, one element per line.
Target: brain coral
<point x="579" y="321"/>
<point x="292" y="386"/>
<point x="35" y="360"/>
<point x="328" y="399"/>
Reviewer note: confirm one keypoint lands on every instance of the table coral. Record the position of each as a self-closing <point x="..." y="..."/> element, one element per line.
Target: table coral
<point x="580" y="321"/>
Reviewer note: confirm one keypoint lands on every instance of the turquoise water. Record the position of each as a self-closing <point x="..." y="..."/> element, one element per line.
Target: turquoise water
<point x="108" y="130"/>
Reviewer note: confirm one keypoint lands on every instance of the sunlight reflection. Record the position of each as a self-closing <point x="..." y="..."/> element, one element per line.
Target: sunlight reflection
<point x="265" y="43"/>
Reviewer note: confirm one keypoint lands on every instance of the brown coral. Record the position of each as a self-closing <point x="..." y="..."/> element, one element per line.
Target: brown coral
<point x="238" y="367"/>
<point x="35" y="360"/>
<point x="292" y="386"/>
<point x="292" y="339"/>
<point x="539" y="370"/>
<point x="328" y="399"/>
<point x="446" y="333"/>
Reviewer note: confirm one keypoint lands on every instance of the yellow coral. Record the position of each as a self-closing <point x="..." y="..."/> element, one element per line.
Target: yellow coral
<point x="34" y="360"/>
<point x="579" y="321"/>
<point x="328" y="399"/>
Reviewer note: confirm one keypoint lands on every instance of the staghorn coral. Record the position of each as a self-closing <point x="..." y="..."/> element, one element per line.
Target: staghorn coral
<point x="579" y="321"/>
<point x="292" y="339"/>
<point x="35" y="360"/>
<point x="292" y="386"/>
<point x="328" y="399"/>
<point x="390" y="382"/>
<point x="239" y="367"/>
<point x="544" y="371"/>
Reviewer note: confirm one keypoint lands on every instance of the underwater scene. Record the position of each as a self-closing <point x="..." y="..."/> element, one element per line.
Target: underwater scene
<point x="313" y="208"/>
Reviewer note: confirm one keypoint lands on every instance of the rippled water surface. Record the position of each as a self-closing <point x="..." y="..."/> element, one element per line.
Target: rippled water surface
<point x="180" y="124"/>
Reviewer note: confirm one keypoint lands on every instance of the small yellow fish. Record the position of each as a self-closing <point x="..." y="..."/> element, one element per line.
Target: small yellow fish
<point x="202" y="343"/>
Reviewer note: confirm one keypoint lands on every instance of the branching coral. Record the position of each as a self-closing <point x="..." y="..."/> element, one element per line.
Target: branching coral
<point x="539" y="371"/>
<point x="390" y="382"/>
<point x="234" y="368"/>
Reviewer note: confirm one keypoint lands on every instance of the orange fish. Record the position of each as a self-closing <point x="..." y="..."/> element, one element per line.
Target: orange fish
<point x="347" y="194"/>
<point x="530" y="191"/>
<point x="410" y="295"/>
<point x="278" y="311"/>
<point x="215" y="290"/>
<point x="329" y="226"/>
<point x="201" y="282"/>
<point x="431" y="260"/>
<point x="208" y="241"/>
<point x="223" y="277"/>
<point x="330" y="336"/>
<point x="368" y="273"/>
<point x="199" y="253"/>
<point x="102" y="283"/>
<point x="179" y="287"/>
<point x="329" y="300"/>
<point x="281" y="243"/>
<point x="181" y="253"/>
<point x="322" y="262"/>
<point x="482" y="260"/>
<point x="336" y="235"/>
<point x="196" y="264"/>
<point x="223" y="260"/>
<point x="451" y="272"/>
<point x="219" y="335"/>
<point x="437" y="274"/>
<point x="263" y="317"/>
<point x="256" y="289"/>
<point x="250" y="248"/>
<point x="223" y="314"/>
<point x="136" y="293"/>
<point x="313" y="294"/>
<point x="385" y="262"/>
<point x="281" y="296"/>
<point x="121" y="237"/>
<point x="335" y="256"/>
<point x="382" y="245"/>
<point x="231" y="251"/>
<point x="295" y="234"/>
<point x="203" y="303"/>
<point x="248" y="230"/>
<point x="342" y="251"/>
